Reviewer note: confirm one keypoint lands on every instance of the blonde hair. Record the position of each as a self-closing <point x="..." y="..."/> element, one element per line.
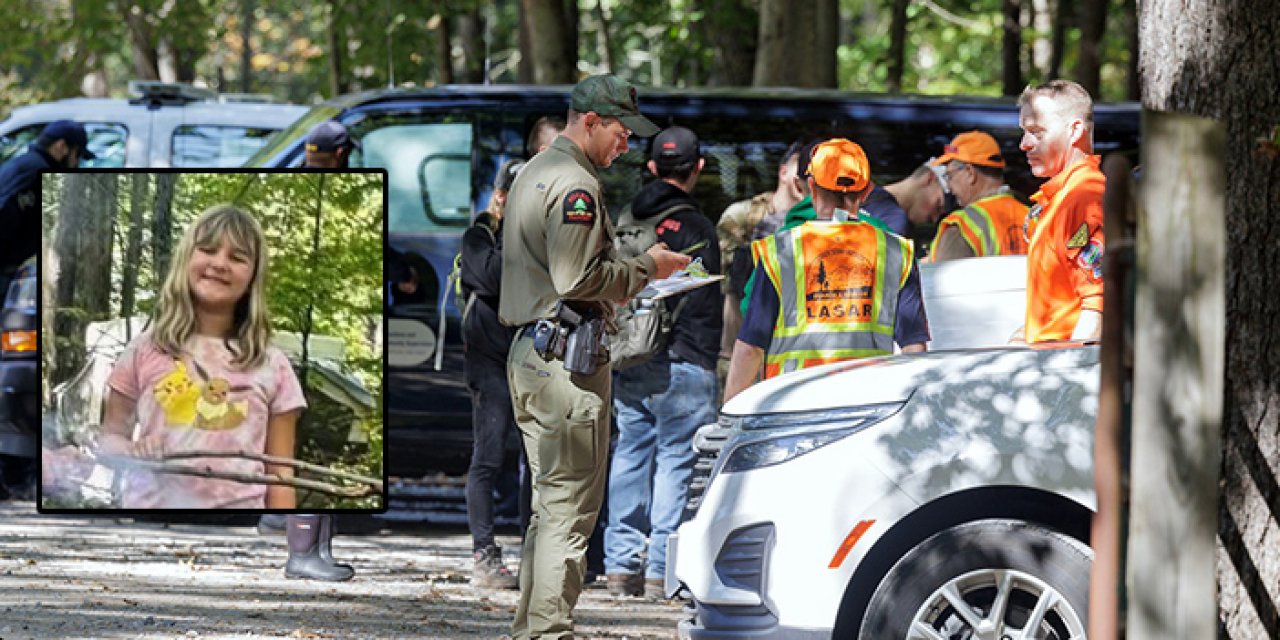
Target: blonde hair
<point x="1070" y="98"/>
<point x="176" y="312"/>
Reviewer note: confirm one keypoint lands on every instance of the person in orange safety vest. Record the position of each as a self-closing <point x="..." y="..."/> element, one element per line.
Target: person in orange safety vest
<point x="836" y="288"/>
<point x="990" y="220"/>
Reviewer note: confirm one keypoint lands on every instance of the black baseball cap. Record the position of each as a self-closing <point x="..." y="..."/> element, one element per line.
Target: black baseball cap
<point x="330" y="136"/>
<point x="609" y="95"/>
<point x="675" y="148"/>
<point x="73" y="133"/>
<point x="507" y="174"/>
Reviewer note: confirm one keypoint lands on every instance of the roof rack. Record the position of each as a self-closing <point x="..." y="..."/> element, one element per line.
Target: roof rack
<point x="256" y="98"/>
<point x="154" y="93"/>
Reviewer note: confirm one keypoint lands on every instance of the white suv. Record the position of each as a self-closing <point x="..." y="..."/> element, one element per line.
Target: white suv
<point x="165" y="125"/>
<point x="944" y="495"/>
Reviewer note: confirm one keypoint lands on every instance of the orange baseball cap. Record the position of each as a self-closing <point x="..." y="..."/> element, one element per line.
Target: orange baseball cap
<point x="840" y="165"/>
<point x="973" y="147"/>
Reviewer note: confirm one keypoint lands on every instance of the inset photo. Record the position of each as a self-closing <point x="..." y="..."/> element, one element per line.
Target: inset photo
<point x="208" y="340"/>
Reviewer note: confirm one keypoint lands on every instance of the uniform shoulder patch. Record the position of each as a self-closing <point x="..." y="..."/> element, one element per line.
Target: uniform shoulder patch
<point x="579" y="207"/>
<point x="1079" y="238"/>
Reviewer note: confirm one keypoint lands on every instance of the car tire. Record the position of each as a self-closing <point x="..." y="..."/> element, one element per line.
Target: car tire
<point x="950" y="585"/>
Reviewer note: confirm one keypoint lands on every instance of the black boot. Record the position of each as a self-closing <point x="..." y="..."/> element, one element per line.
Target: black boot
<point x="271" y="524"/>
<point x="327" y="526"/>
<point x="304" y="534"/>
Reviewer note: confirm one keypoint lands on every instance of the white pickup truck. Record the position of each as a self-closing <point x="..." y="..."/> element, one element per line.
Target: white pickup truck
<point x="943" y="495"/>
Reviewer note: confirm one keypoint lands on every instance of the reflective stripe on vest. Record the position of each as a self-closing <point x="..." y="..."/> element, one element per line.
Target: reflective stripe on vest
<point x="812" y="326"/>
<point x="981" y="225"/>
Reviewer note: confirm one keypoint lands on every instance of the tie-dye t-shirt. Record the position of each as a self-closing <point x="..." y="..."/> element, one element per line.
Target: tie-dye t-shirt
<point x="201" y="401"/>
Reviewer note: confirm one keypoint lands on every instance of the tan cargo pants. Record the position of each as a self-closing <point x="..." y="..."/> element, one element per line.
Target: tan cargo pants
<point x="564" y="420"/>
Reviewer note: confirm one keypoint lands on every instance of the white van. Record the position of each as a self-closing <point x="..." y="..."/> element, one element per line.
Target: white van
<point x="165" y="125"/>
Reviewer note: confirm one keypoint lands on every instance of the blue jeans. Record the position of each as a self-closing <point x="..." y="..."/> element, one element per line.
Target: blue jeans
<point x="659" y="405"/>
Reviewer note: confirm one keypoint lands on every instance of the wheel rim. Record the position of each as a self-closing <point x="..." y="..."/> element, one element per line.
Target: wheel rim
<point x="996" y="604"/>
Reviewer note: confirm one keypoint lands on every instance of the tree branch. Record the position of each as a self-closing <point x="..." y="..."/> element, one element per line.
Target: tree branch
<point x="368" y="486"/>
<point x="953" y="18"/>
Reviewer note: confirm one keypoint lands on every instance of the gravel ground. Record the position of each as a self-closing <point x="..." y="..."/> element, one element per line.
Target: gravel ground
<point x="82" y="577"/>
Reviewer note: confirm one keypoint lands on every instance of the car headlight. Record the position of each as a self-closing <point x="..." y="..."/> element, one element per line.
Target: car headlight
<point x="795" y="434"/>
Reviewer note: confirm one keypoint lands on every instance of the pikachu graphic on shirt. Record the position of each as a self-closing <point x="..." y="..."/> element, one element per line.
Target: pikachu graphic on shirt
<point x="204" y="404"/>
<point x="176" y="394"/>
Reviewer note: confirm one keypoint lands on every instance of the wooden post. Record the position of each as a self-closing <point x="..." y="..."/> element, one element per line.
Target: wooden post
<point x="1180" y="328"/>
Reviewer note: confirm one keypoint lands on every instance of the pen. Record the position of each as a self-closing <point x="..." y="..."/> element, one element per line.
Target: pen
<point x="694" y="247"/>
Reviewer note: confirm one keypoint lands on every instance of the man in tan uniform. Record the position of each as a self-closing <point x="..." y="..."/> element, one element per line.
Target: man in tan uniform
<point x="558" y="247"/>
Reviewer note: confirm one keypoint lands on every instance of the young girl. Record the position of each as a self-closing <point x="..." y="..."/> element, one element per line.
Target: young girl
<point x="204" y="377"/>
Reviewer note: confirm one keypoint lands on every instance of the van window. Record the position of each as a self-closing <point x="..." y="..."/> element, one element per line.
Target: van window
<point x="106" y="140"/>
<point x="428" y="173"/>
<point x="22" y="294"/>
<point x="202" y="145"/>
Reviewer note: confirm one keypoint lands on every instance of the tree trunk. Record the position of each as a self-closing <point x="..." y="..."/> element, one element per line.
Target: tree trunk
<point x="86" y="220"/>
<point x="334" y="46"/>
<point x="793" y="50"/>
<point x="1041" y="22"/>
<point x="524" y="70"/>
<point x="133" y="246"/>
<point x="1089" y="62"/>
<point x="472" y="36"/>
<point x="162" y="226"/>
<point x="897" y="46"/>
<point x="569" y="44"/>
<point x="826" y="39"/>
<point x="1215" y="58"/>
<point x="1133" y="75"/>
<point x="1059" y="48"/>
<point x="146" y="59"/>
<point x="246" y="51"/>
<point x="1116" y="375"/>
<point x="602" y="40"/>
<point x="1011" y="71"/>
<point x="731" y="27"/>
<point x="548" y="32"/>
<point x="444" y="46"/>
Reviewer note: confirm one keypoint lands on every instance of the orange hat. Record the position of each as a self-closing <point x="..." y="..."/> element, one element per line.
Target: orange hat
<point x="973" y="147"/>
<point x="840" y="165"/>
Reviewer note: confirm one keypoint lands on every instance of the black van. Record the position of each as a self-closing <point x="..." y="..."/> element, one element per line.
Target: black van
<point x="442" y="146"/>
<point x="19" y="384"/>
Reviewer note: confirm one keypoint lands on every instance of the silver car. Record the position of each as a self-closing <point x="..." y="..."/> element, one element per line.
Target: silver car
<point x="164" y="125"/>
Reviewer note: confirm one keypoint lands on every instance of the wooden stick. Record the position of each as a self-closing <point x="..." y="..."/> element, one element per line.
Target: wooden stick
<point x="160" y="466"/>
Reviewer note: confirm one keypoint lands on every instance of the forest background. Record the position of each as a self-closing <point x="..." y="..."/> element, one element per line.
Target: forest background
<point x="305" y="51"/>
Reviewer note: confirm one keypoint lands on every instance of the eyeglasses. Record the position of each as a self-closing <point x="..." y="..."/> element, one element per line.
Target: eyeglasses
<point x="951" y="174"/>
<point x="941" y="174"/>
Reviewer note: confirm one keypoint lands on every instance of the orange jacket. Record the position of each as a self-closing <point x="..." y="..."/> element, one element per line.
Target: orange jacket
<point x="1064" y="262"/>
<point x="991" y="226"/>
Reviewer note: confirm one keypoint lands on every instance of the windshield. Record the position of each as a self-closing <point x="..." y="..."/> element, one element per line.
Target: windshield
<point x="297" y="130"/>
<point x="22" y="294"/>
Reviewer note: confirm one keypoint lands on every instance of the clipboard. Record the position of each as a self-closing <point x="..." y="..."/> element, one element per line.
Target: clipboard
<point x="679" y="283"/>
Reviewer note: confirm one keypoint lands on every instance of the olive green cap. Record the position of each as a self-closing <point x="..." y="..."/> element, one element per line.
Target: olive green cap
<point x="609" y="95"/>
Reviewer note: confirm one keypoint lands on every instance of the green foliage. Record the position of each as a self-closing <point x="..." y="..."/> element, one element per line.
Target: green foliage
<point x="953" y="46"/>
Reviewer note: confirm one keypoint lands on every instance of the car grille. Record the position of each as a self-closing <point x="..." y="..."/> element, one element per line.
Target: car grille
<point x="707" y="442"/>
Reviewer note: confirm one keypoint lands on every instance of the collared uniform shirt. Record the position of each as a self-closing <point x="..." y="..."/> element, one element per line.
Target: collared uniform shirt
<point x="558" y="241"/>
<point x="1064" y="261"/>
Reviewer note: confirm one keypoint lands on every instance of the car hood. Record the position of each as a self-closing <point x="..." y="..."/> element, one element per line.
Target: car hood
<point x="895" y="378"/>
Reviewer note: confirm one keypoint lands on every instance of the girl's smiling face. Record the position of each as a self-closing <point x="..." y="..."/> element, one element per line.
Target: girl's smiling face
<point x="219" y="274"/>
